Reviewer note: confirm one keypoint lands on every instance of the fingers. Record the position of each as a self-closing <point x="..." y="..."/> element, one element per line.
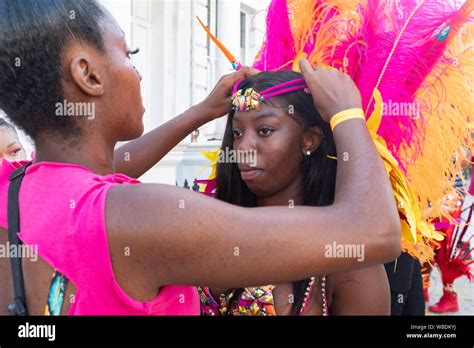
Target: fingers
<point x="228" y="81"/>
<point x="241" y="74"/>
<point x="305" y="67"/>
<point x="312" y="76"/>
<point x="249" y="71"/>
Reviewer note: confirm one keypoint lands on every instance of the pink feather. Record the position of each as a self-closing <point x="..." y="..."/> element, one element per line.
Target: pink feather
<point x="417" y="52"/>
<point x="278" y="47"/>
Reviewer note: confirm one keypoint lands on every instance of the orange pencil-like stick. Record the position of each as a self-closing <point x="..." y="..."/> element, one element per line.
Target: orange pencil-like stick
<point x="235" y="63"/>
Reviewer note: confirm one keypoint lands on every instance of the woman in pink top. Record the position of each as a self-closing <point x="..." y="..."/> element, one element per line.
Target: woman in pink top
<point x="123" y="244"/>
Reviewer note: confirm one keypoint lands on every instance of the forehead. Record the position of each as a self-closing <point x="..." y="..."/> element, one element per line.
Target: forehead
<point x="266" y="111"/>
<point x="111" y="29"/>
<point x="7" y="136"/>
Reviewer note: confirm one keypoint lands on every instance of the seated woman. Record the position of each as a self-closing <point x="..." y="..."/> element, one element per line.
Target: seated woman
<point x="295" y="166"/>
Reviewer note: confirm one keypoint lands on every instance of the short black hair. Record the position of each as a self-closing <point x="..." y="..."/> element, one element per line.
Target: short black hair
<point x="33" y="34"/>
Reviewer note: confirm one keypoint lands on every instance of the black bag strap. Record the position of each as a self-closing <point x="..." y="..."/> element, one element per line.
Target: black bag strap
<point x="18" y="305"/>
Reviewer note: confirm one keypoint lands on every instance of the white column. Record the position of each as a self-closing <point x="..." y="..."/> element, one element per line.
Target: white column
<point x="228" y="32"/>
<point x="170" y="78"/>
<point x="201" y="69"/>
<point x="257" y="25"/>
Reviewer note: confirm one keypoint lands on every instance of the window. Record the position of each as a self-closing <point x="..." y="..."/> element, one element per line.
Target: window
<point x="243" y="37"/>
<point x="211" y="48"/>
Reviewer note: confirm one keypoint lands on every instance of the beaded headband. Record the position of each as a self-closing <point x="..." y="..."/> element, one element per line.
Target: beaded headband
<point x="251" y="100"/>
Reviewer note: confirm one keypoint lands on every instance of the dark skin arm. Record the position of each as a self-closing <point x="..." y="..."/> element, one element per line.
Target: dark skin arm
<point x="361" y="292"/>
<point x="212" y="243"/>
<point x="140" y="155"/>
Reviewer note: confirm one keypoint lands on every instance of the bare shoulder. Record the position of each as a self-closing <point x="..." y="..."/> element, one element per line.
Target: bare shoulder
<point x="129" y="212"/>
<point x="361" y="292"/>
<point x="364" y="276"/>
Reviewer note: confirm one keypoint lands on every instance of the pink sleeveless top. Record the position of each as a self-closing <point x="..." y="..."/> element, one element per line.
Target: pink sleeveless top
<point x="62" y="213"/>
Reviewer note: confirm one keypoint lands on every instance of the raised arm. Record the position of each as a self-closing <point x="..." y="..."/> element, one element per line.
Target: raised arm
<point x="181" y="237"/>
<point x="138" y="156"/>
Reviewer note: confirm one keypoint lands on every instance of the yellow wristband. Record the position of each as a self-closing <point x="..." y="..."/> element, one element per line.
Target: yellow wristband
<point x="346" y="115"/>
